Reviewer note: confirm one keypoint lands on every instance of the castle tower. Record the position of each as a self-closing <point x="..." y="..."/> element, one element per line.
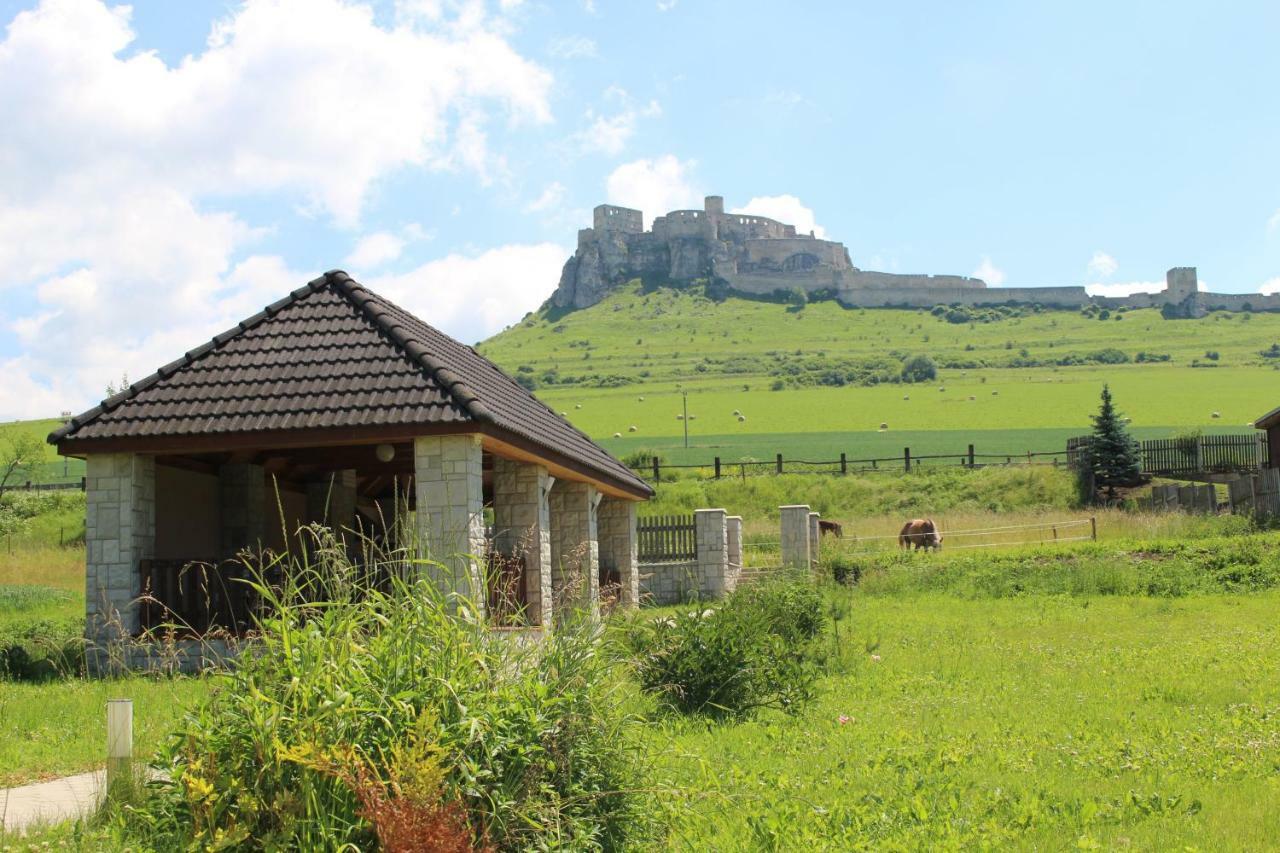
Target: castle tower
<point x="1180" y="283"/>
<point x="713" y="204"/>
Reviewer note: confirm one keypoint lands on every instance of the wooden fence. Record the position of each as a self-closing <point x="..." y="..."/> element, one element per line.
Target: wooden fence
<point x="718" y="468"/>
<point x="1206" y="454"/>
<point x="666" y="538"/>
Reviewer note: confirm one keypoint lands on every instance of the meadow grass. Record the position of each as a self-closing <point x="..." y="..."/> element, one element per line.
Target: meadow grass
<point x="1043" y="722"/>
<point x="57" y="728"/>
<point x="666" y="342"/>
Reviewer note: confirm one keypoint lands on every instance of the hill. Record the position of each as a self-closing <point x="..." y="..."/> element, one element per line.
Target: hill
<point x="53" y="468"/>
<point x="817" y="378"/>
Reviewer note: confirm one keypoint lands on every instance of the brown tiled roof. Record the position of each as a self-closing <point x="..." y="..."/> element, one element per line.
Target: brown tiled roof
<point x="1270" y="419"/>
<point x="334" y="354"/>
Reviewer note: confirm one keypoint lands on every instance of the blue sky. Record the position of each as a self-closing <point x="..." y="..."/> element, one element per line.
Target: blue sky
<point x="168" y="168"/>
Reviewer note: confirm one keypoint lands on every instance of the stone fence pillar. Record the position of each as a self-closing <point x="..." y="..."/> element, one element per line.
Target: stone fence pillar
<point x="733" y="525"/>
<point x="522" y="529"/>
<point x="616" y="522"/>
<point x="815" y="538"/>
<point x="575" y="547"/>
<point x="712" y="535"/>
<point x="795" y="536"/>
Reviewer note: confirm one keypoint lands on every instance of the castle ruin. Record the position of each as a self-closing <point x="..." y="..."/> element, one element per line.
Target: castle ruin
<point x="755" y="255"/>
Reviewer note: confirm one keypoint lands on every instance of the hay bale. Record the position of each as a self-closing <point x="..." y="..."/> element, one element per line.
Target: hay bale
<point x="942" y="388"/>
<point x="971" y="397"/>
<point x="906" y="396"/>
<point x="631" y="428"/>
<point x="577" y="405"/>
<point x="679" y="417"/>
<point x="995" y="393"/>
<point x="1216" y="415"/>
<point x="617" y="435"/>
<point x="640" y="399"/>
<point x="884" y="426"/>
<point x="742" y="419"/>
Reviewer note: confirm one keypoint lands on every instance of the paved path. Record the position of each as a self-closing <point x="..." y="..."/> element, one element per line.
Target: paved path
<point x="51" y="802"/>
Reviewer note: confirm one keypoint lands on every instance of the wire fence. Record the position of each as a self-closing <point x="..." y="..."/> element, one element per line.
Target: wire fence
<point x="1012" y="535"/>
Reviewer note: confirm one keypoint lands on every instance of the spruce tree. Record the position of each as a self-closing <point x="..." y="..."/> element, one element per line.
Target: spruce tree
<point x="1114" y="457"/>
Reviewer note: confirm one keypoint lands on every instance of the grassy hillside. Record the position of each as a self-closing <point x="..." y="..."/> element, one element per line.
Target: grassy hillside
<point x="53" y="468"/>
<point x="822" y="378"/>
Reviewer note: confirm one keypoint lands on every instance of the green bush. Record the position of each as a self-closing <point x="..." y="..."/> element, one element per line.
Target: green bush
<point x="376" y="713"/>
<point x="35" y="646"/>
<point x="756" y="649"/>
<point x="919" y="368"/>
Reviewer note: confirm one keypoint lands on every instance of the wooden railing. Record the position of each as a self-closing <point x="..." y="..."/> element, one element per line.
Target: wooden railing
<point x="196" y="596"/>
<point x="1206" y="454"/>
<point x="666" y="538"/>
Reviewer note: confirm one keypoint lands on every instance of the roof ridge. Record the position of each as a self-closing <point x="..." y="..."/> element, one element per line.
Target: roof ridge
<point x="374" y="308"/>
<point x="189" y="357"/>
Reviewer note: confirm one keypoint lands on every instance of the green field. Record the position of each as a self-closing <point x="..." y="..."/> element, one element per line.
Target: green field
<point x="52" y="468"/>
<point x="727" y="356"/>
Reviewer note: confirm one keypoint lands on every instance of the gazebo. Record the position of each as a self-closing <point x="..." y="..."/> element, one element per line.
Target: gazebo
<point x="333" y="405"/>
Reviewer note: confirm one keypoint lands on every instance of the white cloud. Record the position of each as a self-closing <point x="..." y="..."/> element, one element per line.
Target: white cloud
<point x="666" y="5"/>
<point x="573" y="47"/>
<point x="1126" y="288"/>
<point x="654" y="186"/>
<point x="120" y="170"/>
<point x="476" y="296"/>
<point x="374" y="250"/>
<point x="989" y="272"/>
<point x="548" y="200"/>
<point x="1271" y="285"/>
<point x="784" y="208"/>
<point x="1274" y="222"/>
<point x="609" y="134"/>
<point x="1101" y="265"/>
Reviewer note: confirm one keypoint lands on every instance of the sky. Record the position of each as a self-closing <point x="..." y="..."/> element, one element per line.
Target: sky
<point x="168" y="168"/>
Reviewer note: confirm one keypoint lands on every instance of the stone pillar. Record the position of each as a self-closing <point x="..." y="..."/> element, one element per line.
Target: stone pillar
<point x="449" y="488"/>
<point x="242" y="508"/>
<point x="795" y="536"/>
<point x="575" y="547"/>
<point x="120" y="530"/>
<point x="616" y="520"/>
<point x="733" y="526"/>
<point x="711" y="533"/>
<point x="522" y="528"/>
<point x="815" y="538"/>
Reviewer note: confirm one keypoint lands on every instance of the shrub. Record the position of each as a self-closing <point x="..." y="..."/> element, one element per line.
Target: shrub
<point x="756" y="649"/>
<point x="919" y="368"/>
<point x="375" y="714"/>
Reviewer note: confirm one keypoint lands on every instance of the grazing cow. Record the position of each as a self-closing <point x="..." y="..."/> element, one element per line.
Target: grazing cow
<point x="830" y="527"/>
<point x="920" y="533"/>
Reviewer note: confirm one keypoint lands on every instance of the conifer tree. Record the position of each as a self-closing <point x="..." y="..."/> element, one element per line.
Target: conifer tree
<point x="1114" y="457"/>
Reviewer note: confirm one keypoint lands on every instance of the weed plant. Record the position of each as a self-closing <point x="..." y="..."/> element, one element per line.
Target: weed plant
<point x="388" y="710"/>
<point x="756" y="649"/>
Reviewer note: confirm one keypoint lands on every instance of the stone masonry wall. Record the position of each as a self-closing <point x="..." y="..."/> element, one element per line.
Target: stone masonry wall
<point x="711" y="533"/>
<point x="669" y="583"/>
<point x="795" y="536"/>
<point x="616" y="520"/>
<point x="522" y="527"/>
<point x="120" y="531"/>
<point x="575" y="549"/>
<point x="450" y="505"/>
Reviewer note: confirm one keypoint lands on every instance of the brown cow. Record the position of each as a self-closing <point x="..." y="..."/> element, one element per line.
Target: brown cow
<point x="920" y="533"/>
<point x="830" y="527"/>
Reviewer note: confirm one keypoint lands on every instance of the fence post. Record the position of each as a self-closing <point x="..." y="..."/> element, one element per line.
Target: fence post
<point x="717" y="467"/>
<point x="815" y="537"/>
<point x="1093" y="527"/>
<point x="656" y="474"/>
<point x="795" y="536"/>
<point x="119" y="739"/>
<point x="711" y="536"/>
<point x="906" y="459"/>
<point x="844" y="464"/>
<point x="971" y="456"/>
<point x="1199" y="453"/>
<point x="779" y="463"/>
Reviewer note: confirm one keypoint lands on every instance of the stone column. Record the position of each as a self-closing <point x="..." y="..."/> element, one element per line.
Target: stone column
<point x="616" y="520"/>
<point x="522" y="527"/>
<point x="331" y="500"/>
<point x="575" y="547"/>
<point x="815" y="538"/>
<point x="733" y="525"/>
<point x="120" y="531"/>
<point x="242" y="508"/>
<point x="795" y="536"/>
<point x="449" y="488"/>
<point x="712" y="536"/>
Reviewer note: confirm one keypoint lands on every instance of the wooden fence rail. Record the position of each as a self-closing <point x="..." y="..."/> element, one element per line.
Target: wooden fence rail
<point x="665" y="538"/>
<point x="1206" y="454"/>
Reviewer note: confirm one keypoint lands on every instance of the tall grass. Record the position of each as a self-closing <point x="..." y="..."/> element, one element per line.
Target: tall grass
<point x="363" y="709"/>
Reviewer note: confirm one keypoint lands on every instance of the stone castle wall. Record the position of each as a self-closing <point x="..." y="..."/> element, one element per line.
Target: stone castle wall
<point x="758" y="255"/>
